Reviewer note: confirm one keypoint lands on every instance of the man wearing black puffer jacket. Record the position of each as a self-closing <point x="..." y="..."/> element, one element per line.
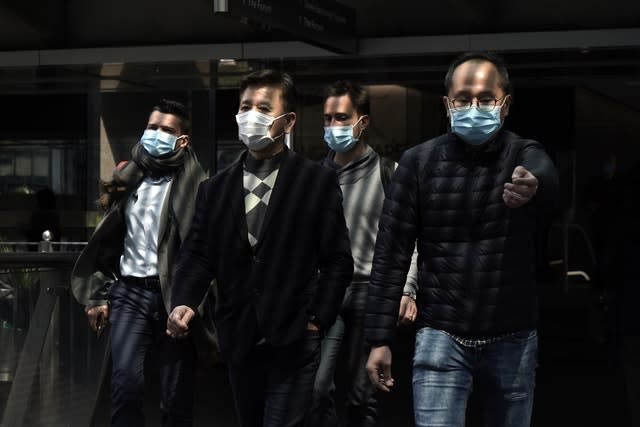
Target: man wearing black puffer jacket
<point x="472" y="199"/>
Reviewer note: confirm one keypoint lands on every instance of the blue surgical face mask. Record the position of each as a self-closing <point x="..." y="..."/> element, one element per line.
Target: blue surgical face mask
<point x="474" y="126"/>
<point x="158" y="143"/>
<point x="340" y="138"/>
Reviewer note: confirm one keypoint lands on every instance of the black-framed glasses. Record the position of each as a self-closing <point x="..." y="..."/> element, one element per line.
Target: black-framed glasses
<point x="482" y="104"/>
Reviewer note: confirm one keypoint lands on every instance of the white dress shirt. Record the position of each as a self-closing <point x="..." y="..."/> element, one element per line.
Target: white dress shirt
<point x="142" y="218"/>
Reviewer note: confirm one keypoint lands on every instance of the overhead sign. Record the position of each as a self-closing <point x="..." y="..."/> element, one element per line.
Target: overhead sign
<point x="325" y="23"/>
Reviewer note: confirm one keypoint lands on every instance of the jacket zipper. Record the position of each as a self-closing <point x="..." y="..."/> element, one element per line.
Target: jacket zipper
<point x="470" y="220"/>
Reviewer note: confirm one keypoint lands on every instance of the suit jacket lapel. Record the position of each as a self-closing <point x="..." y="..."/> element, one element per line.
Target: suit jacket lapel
<point x="283" y="180"/>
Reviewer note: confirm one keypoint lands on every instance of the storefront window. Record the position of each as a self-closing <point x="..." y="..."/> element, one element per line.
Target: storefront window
<point x="29" y="166"/>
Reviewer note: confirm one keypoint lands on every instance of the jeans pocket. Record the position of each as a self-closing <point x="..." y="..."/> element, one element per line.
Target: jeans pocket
<point x="311" y="339"/>
<point x="311" y="345"/>
<point x="114" y="290"/>
<point x="421" y="331"/>
<point x="523" y="336"/>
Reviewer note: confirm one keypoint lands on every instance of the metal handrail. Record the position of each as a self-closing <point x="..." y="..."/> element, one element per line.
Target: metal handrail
<point x="52" y="269"/>
<point x="42" y="259"/>
<point x="566" y="226"/>
<point x="37" y="243"/>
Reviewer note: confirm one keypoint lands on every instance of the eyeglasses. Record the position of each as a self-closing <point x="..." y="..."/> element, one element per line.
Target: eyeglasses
<point x="482" y="104"/>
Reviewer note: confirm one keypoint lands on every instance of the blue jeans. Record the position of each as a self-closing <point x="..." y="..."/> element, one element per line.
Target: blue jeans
<point x="347" y="336"/>
<point x="272" y="388"/>
<point x="138" y="322"/>
<point x="501" y="373"/>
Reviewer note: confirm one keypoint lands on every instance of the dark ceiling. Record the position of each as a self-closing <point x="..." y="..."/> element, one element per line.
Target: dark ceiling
<point x="540" y="40"/>
<point x="65" y="24"/>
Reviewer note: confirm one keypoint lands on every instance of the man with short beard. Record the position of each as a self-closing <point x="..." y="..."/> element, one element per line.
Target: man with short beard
<point x="364" y="178"/>
<point x="123" y="276"/>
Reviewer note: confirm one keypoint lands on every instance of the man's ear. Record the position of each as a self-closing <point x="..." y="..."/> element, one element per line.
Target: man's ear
<point x="364" y="122"/>
<point x="445" y="102"/>
<point x="504" y="111"/>
<point x="291" y="121"/>
<point x="184" y="141"/>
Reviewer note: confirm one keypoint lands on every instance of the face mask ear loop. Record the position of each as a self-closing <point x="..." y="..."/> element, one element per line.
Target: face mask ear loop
<point x="271" y="125"/>
<point x="361" y="130"/>
<point x="449" y="116"/>
<point x="275" y="138"/>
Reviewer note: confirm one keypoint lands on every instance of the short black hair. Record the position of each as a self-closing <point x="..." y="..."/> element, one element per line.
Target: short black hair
<point x="498" y="62"/>
<point x="168" y="106"/>
<point x="273" y="78"/>
<point x="358" y="95"/>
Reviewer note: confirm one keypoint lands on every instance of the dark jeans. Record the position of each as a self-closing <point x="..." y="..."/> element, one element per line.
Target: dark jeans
<point x="272" y="388"/>
<point x="346" y="336"/>
<point x="138" y="322"/>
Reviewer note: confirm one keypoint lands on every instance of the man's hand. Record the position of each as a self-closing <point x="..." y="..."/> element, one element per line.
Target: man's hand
<point x="98" y="315"/>
<point x="178" y="321"/>
<point x="379" y="367"/>
<point x="408" y="311"/>
<point x="521" y="189"/>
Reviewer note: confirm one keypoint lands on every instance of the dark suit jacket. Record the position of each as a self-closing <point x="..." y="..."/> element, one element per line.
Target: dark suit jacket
<point x="300" y="267"/>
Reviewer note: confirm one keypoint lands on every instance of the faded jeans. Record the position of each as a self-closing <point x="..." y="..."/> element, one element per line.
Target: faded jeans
<point x="501" y="373"/>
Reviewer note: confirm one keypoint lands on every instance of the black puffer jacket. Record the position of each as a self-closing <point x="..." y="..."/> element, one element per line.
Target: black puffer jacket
<point x="476" y="255"/>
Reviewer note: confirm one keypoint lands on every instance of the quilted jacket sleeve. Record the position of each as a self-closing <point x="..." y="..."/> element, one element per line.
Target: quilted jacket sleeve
<point x="395" y="244"/>
<point x="535" y="159"/>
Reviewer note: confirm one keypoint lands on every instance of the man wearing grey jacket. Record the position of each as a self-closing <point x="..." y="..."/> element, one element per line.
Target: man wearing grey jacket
<point x="363" y="176"/>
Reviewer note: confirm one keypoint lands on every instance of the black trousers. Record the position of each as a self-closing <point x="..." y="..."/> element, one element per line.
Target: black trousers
<point x="273" y="387"/>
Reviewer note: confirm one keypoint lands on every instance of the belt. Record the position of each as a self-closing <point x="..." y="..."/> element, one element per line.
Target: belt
<point x="152" y="282"/>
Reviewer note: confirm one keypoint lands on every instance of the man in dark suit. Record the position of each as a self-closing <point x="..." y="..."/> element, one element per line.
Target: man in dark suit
<point x="270" y="229"/>
<point x="123" y="276"/>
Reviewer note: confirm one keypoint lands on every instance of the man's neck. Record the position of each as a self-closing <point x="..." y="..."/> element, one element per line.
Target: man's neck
<point x="271" y="150"/>
<point x="343" y="158"/>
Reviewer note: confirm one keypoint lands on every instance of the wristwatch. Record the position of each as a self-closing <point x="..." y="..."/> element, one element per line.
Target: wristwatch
<point x="409" y="294"/>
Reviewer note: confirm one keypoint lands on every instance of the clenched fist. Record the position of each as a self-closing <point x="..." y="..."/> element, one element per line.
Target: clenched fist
<point x="521" y="189"/>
